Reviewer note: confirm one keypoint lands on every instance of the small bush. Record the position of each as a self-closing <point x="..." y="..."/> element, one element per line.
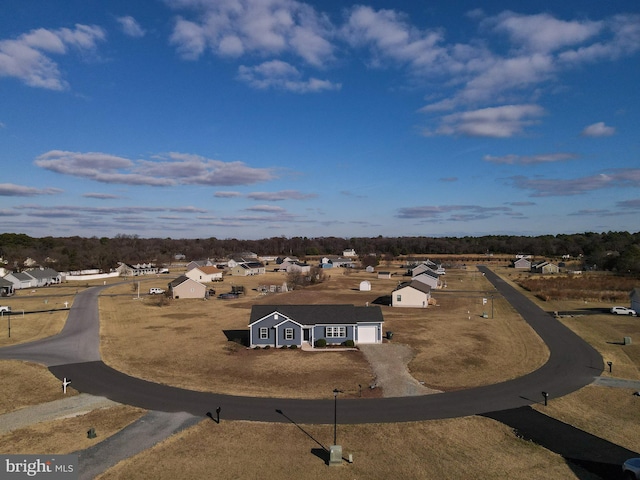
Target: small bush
<point x="293" y="347"/>
<point x="267" y="347"/>
<point x="349" y="343"/>
<point x="320" y="343"/>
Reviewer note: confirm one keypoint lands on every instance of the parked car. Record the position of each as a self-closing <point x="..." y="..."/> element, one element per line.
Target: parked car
<point x="5" y="308"/>
<point x="622" y="311"/>
<point x="631" y="469"/>
<point x="156" y="291"/>
<point x="228" y="296"/>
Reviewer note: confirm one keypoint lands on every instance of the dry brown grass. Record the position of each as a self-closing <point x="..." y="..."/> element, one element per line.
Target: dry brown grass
<point x="186" y="343"/>
<point x="26" y="384"/>
<point x="591" y="287"/>
<point x="471" y="447"/>
<point x="68" y="435"/>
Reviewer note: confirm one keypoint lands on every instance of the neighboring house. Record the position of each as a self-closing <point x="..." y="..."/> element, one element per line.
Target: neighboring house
<point x="185" y="287"/>
<point x="384" y="275"/>
<point x="370" y="269"/>
<point x="21" y="280"/>
<point x="205" y="274"/>
<point x="199" y="263"/>
<point x="281" y="260"/>
<point x="634" y="296"/>
<point x="429" y="277"/>
<point x="411" y="294"/>
<point x="286" y="325"/>
<point x="6" y="288"/>
<point x="44" y="276"/>
<point x="127" y="270"/>
<point x="297" y="267"/>
<point x="331" y="262"/>
<point x="365" y="286"/>
<point x="349" y="252"/>
<point x="522" y="263"/>
<point x="422" y="268"/>
<point x="248" y="268"/>
<point x="544" y="267"/>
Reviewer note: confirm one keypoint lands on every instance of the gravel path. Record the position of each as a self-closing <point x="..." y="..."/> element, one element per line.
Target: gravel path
<point x="389" y="363"/>
<point x="142" y="434"/>
<point x="71" y="406"/>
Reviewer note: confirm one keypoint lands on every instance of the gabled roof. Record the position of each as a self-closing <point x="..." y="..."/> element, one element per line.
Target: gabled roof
<point x="319" y="314"/>
<point x="5" y="283"/>
<point x="42" y="273"/>
<point x="208" y="269"/>
<point x="22" y="276"/>
<point x="415" y="284"/>
<point x="180" y="280"/>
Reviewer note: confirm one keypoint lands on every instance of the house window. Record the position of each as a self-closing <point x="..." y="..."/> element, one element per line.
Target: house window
<point x="288" y="333"/>
<point x="264" y="333"/>
<point x="398" y="298"/>
<point x="334" y="332"/>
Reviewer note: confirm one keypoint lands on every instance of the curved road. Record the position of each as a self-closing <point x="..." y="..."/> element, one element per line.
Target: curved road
<point x="74" y="354"/>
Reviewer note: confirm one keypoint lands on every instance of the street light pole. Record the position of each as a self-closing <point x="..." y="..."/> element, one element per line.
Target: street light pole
<point x="335" y="415"/>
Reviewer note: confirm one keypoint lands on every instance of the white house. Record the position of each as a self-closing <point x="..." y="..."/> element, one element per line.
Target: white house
<point x="205" y="274"/>
<point x="349" y="252"/>
<point x="411" y="294"/>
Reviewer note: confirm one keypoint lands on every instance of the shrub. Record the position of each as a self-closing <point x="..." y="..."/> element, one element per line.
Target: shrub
<point x="320" y="343"/>
<point x="349" y="343"/>
<point x="293" y="347"/>
<point x="267" y="347"/>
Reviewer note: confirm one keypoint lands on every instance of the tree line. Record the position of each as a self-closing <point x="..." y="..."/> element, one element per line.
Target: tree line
<point x="615" y="251"/>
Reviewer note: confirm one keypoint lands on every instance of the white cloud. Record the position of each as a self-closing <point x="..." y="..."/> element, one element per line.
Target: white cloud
<point x="131" y="27"/>
<point x="497" y="122"/>
<point x="628" y="177"/>
<point x="172" y="169"/>
<point x="543" y="32"/>
<point x="27" y="57"/>
<point x="391" y="38"/>
<point x="13" y="190"/>
<point x="265" y="27"/>
<point x="530" y="159"/>
<point x="281" y="195"/>
<point x="284" y="76"/>
<point x="598" y="129"/>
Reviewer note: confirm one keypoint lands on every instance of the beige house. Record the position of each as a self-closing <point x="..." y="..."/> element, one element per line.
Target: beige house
<point x="206" y="274"/>
<point x="544" y="267"/>
<point x="248" y="268"/>
<point x="185" y="287"/>
<point x="411" y="294"/>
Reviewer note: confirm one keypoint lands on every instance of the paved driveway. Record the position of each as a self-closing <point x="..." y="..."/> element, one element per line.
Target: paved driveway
<point x="572" y="364"/>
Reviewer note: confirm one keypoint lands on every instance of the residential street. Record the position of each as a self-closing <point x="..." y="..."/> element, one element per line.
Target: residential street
<point x="74" y="354"/>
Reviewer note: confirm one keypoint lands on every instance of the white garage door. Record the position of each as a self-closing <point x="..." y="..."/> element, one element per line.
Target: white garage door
<point x="367" y="334"/>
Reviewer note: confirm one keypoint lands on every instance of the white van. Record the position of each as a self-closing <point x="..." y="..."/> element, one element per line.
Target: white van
<point x="156" y="291"/>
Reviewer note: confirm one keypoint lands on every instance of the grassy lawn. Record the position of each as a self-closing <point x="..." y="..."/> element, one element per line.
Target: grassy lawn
<point x="471" y="447"/>
<point x="455" y="347"/>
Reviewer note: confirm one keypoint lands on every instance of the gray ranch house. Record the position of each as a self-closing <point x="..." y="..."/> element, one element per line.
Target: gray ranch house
<point x="286" y="325"/>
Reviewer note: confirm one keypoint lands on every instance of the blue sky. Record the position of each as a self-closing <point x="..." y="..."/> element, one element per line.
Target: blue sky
<point x="260" y="118"/>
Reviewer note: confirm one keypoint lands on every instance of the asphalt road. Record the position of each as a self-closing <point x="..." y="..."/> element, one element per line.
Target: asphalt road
<point x="74" y="354"/>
